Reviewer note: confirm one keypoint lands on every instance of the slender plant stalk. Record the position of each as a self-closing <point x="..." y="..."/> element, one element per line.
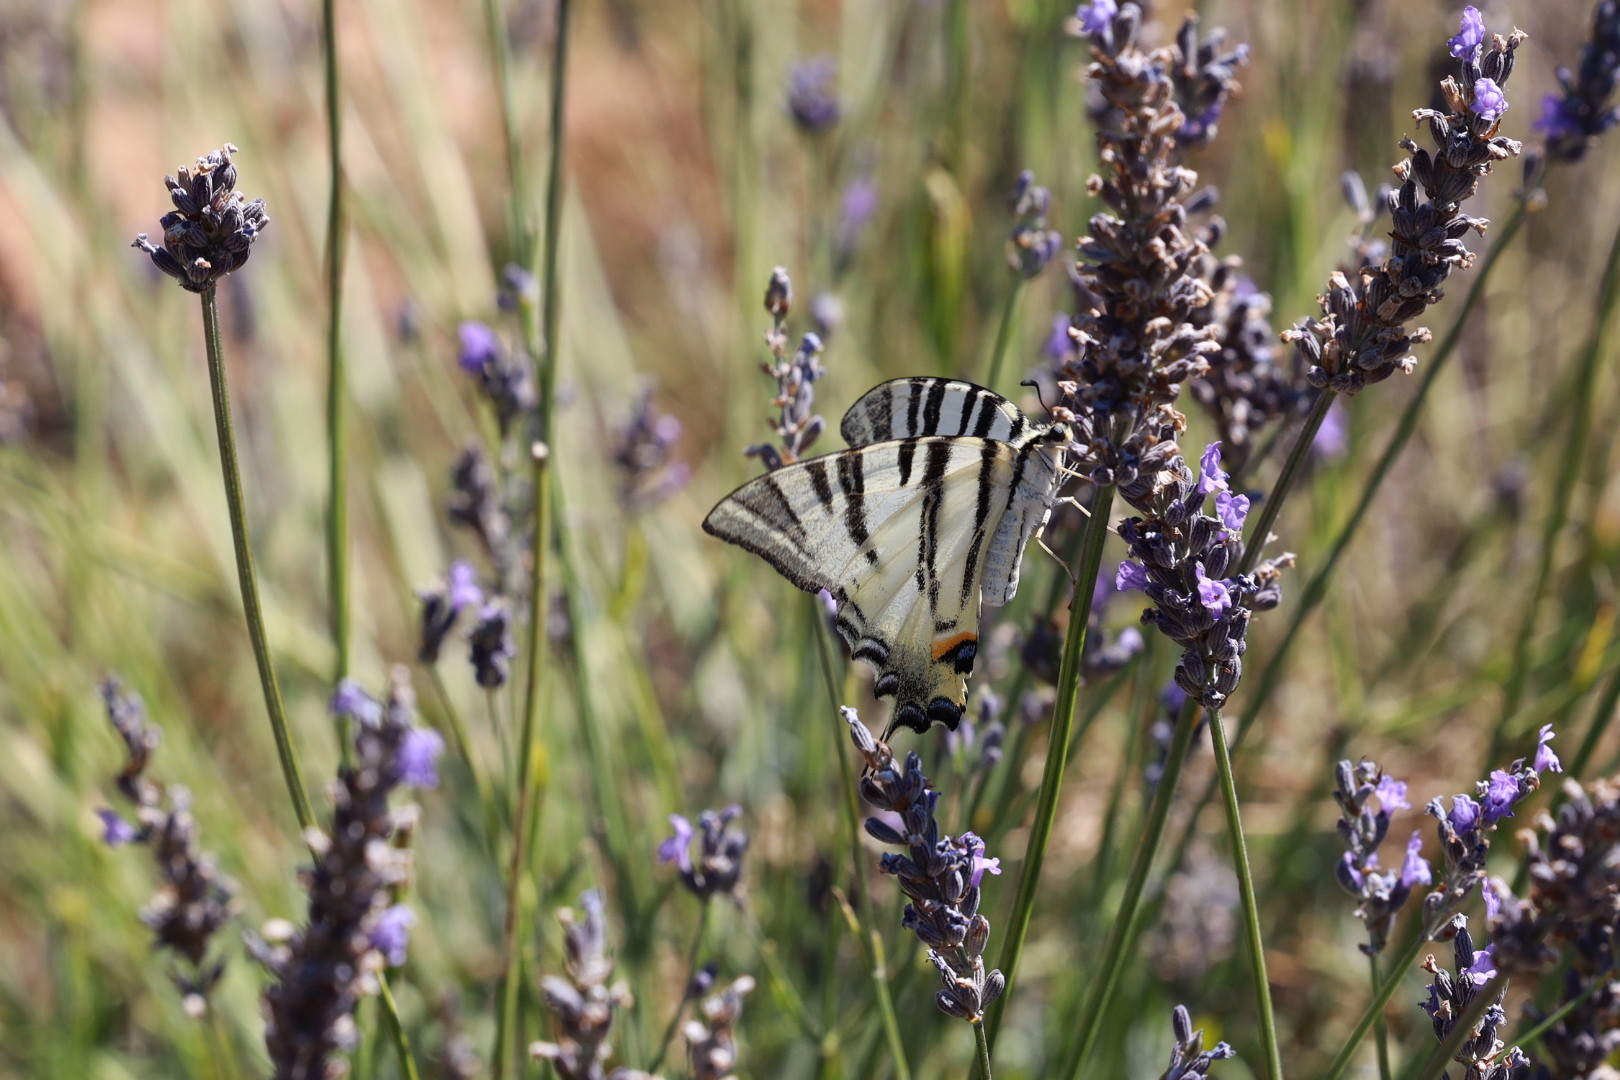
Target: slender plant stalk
<point x="1564" y="1010"/>
<point x="1380" y="999"/>
<point x="1380" y="1028"/>
<point x="402" y="1041"/>
<point x="1123" y="931"/>
<point x="984" y="1049"/>
<point x="866" y="932"/>
<point x="1251" y="912"/>
<point x="1602" y="716"/>
<point x="686" y="990"/>
<point x="337" y="510"/>
<point x="1273" y="504"/>
<point x="247" y="576"/>
<point x="1057" y="747"/>
<point x="500" y="54"/>
<point x="542" y="343"/>
<point x="1569" y="467"/>
<point x="1009" y="313"/>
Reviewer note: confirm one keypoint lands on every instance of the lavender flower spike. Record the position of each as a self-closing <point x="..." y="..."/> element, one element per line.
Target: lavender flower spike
<point x="210" y="231"/>
<point x="1188" y="1059"/>
<point x="1366" y="796"/>
<point x="583" y="1004"/>
<point x="1573" y="119"/>
<point x="1464" y="832"/>
<point x="717" y="870"/>
<point x="1483" y="1056"/>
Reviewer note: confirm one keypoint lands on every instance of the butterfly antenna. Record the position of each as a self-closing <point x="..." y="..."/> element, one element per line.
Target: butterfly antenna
<point x="1035" y="386"/>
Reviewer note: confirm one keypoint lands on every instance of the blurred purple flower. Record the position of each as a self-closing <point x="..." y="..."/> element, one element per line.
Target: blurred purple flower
<point x="1414" y="867"/>
<point x="1333" y="437"/>
<point x="115" y="831"/>
<point x="464" y="590"/>
<point x="1095" y="16"/>
<point x="1556" y="121"/>
<point x="860" y="203"/>
<point x="1059" y="343"/>
<point x="810" y="98"/>
<point x="350" y="701"/>
<point x="1392" y="793"/>
<point x="1465" y="45"/>
<point x="677" y="848"/>
<point x="1489" y="101"/>
<point x="480" y="348"/>
<point x="418" y="758"/>
<point x="1130" y="575"/>
<point x="392" y="933"/>
<point x="1491" y="890"/>
<point x="1545" y="759"/>
<point x="1130" y="641"/>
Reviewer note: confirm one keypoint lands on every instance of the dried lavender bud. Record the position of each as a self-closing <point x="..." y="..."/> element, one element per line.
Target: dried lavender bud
<point x="582" y="1005"/>
<point x="796" y="424"/>
<point x="210" y="231"/>
<point x="1188" y="1058"/>
<point x="502" y="376"/>
<point x="644" y="455"/>
<point x="490" y="647"/>
<point x="711" y="1039"/>
<point x="939" y="875"/>
<point x="1204" y="79"/>
<point x="1363" y="336"/>
<point x="1573" y="120"/>
<point x="810" y="98"/>
<point x="475" y="503"/>
<point x="779" y="295"/>
<point x="717" y="870"/>
<point x="1481" y="1055"/>
<point x="1366" y="796"/>
<point x="324" y="968"/>
<point x="195" y="900"/>
<point x="1031" y="245"/>
<point x="442" y="605"/>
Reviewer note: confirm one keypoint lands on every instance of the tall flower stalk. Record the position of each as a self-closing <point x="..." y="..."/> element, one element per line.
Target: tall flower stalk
<point x="208" y="234"/>
<point x="337" y="512"/>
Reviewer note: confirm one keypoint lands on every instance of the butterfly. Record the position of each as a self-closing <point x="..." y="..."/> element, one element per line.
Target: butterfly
<point x="923" y="519"/>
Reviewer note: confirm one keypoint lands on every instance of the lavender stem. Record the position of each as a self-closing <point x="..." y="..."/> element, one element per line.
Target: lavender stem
<point x="337" y="514"/>
<point x="1273" y="503"/>
<point x="1009" y="312"/>
<point x="1380" y="1028"/>
<point x="686" y="991"/>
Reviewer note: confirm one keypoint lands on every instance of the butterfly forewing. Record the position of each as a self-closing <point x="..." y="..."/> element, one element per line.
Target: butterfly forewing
<point x="922" y="406"/>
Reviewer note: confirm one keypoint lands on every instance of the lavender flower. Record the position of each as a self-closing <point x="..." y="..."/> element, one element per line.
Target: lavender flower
<point x="1032" y="245"/>
<point x="323" y="968"/>
<point x="644" y="453"/>
<point x="1363" y="336"/>
<point x="503" y="377"/>
<point x="810" y="98"/>
<point x="939" y="875"/>
<point x="1545" y="760"/>
<point x="475" y="503"/>
<point x="582" y="1005"/>
<point x="717" y="871"/>
<point x="1095" y="16"/>
<point x="1482" y="1055"/>
<point x="797" y="424"/>
<point x="1204" y="79"/>
<point x="392" y="933"/>
<point x="1366" y="796"/>
<point x="210" y="231"/>
<point x="442" y="605"/>
<point x="490" y="646"/>
<point x="711" y="1037"/>
<point x="1573" y="120"/>
<point x="1188" y="1058"/>
<point x="194" y="900"/>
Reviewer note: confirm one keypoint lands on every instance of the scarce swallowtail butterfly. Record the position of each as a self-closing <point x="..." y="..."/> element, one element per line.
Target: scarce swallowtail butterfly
<point x="923" y="519"/>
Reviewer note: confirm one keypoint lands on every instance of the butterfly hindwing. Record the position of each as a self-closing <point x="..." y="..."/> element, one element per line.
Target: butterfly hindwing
<point x="901" y="532"/>
<point x="923" y="406"/>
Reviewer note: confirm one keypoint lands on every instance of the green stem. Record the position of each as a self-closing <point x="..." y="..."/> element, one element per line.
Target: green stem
<point x="866" y="933"/>
<point x="1057" y="747"/>
<point x="686" y="990"/>
<point x="984" y="1049"/>
<point x="1570" y="462"/>
<point x="1251" y="912"/>
<point x="337" y="513"/>
<point x="1592" y="987"/>
<point x="1273" y="504"/>
<point x="402" y="1041"/>
<point x="1380" y="1028"/>
<point x="500" y="54"/>
<point x="247" y="576"/>
<point x="1602" y="715"/>
<point x="542" y="344"/>
<point x="1123" y="931"/>
<point x="1009" y="312"/>
<point x="1375" y="1008"/>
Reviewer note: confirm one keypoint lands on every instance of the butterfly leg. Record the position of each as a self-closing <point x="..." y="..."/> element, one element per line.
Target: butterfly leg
<point x="1073" y="581"/>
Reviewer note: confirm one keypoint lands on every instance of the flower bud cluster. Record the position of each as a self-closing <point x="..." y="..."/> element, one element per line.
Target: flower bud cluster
<point x="1188" y="1058"/>
<point x="1483" y="1056"/>
<point x="195" y="899"/>
<point x="648" y="473"/>
<point x="711" y="1038"/>
<point x="939" y="875"/>
<point x="717" y="870"/>
<point x="1365" y="797"/>
<point x="1205" y="77"/>
<point x="352" y="929"/>
<point x="1363" y="337"/>
<point x="504" y="375"/>
<point x="584" y="1004"/>
<point x="1186" y="561"/>
<point x="797" y="424"/>
<point x="476" y="503"/>
<point x="210" y="231"/>
<point x="1032" y="245"/>
<point x="1573" y="119"/>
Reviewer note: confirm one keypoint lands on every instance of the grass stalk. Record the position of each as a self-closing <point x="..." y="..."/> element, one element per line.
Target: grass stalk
<point x="1569" y="468"/>
<point x="396" y="1029"/>
<point x="1251" y="912"/>
<point x="542" y="344"/>
<point x="1260" y="531"/>
<point x="1374" y="1011"/>
<point x="983" y="1039"/>
<point x="1380" y="1028"/>
<point x="1009" y="316"/>
<point x="337" y="510"/>
<point x="1057" y="747"/>
<point x="1123" y="931"/>
<point x="500" y="58"/>
<point x="247" y="575"/>
<point x="692" y="959"/>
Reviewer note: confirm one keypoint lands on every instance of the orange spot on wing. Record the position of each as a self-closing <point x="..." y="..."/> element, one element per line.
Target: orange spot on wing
<point x="944" y="645"/>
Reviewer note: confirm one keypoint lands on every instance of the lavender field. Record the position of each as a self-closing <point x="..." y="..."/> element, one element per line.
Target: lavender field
<point x="521" y="544"/>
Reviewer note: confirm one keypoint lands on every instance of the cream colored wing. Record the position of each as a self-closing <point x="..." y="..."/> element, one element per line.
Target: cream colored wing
<point x="922" y="406"/>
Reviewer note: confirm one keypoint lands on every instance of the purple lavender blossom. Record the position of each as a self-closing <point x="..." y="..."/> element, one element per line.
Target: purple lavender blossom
<point x="1501" y="792"/>
<point x="1464" y="813"/>
<point x="1095" y="16"/>
<point x="1491" y="891"/>
<point x="980" y="863"/>
<point x="1059" y="347"/>
<point x="1392" y="793"/>
<point x="418" y="758"/>
<point x="1214" y="595"/>
<point x="464" y="590"/>
<point x="1489" y="101"/>
<point x="391" y="933"/>
<point x="480" y="348"/>
<point x="1414" y="867"/>
<point x="678" y="847"/>
<point x="1546" y="760"/>
<point x="810" y="98"/>
<point x="351" y="702"/>
<point x="1211" y="478"/>
<point x="1232" y="510"/>
<point x="115" y="831"/>
<point x="1130" y="575"/>
<point x="1555" y="121"/>
<point x="1465" y="45"/>
<point x="1483" y="969"/>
